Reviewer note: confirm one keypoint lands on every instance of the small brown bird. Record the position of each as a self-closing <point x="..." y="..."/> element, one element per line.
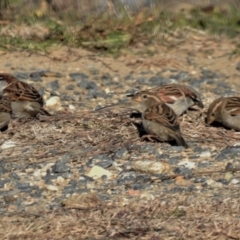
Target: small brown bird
<point x="5" y="113"/>
<point x="225" y="110"/>
<point x="25" y="99"/>
<point x="178" y="97"/>
<point x="158" y="119"/>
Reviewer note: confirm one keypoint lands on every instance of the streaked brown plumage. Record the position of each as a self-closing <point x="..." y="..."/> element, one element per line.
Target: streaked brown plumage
<point x="225" y="110"/>
<point x="159" y="120"/>
<point x="5" y="112"/>
<point x="25" y="99"/>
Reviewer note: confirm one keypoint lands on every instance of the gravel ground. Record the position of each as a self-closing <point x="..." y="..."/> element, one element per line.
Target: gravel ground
<point x="80" y="160"/>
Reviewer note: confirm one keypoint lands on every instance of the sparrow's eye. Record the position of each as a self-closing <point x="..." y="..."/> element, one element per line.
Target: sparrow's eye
<point x="213" y="114"/>
<point x="145" y="96"/>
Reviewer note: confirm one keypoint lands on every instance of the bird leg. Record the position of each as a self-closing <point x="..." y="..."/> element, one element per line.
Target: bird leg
<point x="149" y="137"/>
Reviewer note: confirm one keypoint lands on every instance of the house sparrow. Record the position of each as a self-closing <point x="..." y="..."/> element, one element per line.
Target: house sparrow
<point x="225" y="110"/>
<point x="158" y="119"/>
<point x="25" y="99"/>
<point x="178" y="97"/>
<point x="5" y="113"/>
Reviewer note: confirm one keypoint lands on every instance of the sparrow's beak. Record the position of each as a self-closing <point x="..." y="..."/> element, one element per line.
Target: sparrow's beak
<point x="137" y="99"/>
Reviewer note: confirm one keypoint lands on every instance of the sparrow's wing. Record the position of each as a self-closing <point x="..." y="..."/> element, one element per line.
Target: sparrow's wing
<point x="233" y="106"/>
<point x="171" y="92"/>
<point x="163" y="115"/>
<point x="5" y="105"/>
<point x="16" y="90"/>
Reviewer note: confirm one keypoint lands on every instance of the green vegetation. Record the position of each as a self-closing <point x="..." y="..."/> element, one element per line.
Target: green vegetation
<point x="109" y="32"/>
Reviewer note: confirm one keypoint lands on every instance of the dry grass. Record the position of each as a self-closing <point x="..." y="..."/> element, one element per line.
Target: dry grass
<point x="166" y="217"/>
<point x="87" y="134"/>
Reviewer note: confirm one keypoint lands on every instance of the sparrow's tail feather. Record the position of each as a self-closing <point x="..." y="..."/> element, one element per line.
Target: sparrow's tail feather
<point x="42" y="111"/>
<point x="180" y="141"/>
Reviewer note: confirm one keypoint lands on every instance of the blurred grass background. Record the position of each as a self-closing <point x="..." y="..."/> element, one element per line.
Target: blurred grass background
<point x="111" y="25"/>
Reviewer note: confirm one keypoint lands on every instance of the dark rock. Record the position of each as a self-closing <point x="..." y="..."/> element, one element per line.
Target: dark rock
<point x="132" y="91"/>
<point x="92" y="93"/>
<point x="36" y="79"/>
<point x="203" y="164"/>
<point x="83" y="181"/>
<point x="192" y="188"/>
<point x="87" y="85"/>
<point x="223" y="181"/>
<point x="54" y="85"/>
<point x="3" y="182"/>
<point x="49" y="178"/>
<point x="37" y="74"/>
<point x="106" y="77"/>
<point x="69" y="189"/>
<point x="121" y="154"/>
<point x="181" y="76"/>
<point x="200" y="180"/>
<point x="14" y="176"/>
<point x="174" y="160"/>
<point x="94" y="71"/>
<point x="36" y="193"/>
<point x="182" y="170"/>
<point x="138" y="186"/>
<point x="104" y="197"/>
<point x="73" y="183"/>
<point x="177" y="190"/>
<point x="76" y="93"/>
<point x="142" y="80"/>
<point x="101" y="160"/>
<point x="3" y="170"/>
<point x="41" y="91"/>
<point x="65" y="97"/>
<point x="60" y="165"/>
<point x="70" y="87"/>
<point x="198" y="149"/>
<point x="206" y="73"/>
<point x="229" y="166"/>
<point x="66" y="175"/>
<point x="159" y="80"/>
<point x="228" y="153"/>
<point x="23" y="186"/>
<point x="78" y="77"/>
<point x="126" y="178"/>
<point x="143" y="179"/>
<point x="177" y="148"/>
<point x="21" y="75"/>
<point x="168" y="181"/>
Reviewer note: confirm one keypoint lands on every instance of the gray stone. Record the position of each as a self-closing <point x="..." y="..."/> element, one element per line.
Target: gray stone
<point x="70" y="87"/>
<point x="54" y="85"/>
<point x="60" y="165"/>
<point x="101" y="160"/>
<point x="126" y="178"/>
<point x="121" y="154"/>
<point x="14" y="176"/>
